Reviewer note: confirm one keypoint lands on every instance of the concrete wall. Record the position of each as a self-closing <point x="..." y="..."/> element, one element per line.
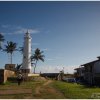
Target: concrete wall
<point x="33" y="74"/>
<point x="4" y="74"/>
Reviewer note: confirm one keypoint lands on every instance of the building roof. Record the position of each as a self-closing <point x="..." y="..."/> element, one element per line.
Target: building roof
<point x="50" y="74"/>
<point x="92" y="62"/>
<point x="76" y="68"/>
<point x="98" y="57"/>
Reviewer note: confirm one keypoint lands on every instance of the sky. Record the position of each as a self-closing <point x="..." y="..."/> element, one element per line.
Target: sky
<point x="68" y="32"/>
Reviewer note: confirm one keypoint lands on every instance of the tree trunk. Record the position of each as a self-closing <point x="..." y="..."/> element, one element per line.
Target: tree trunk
<point x="11" y="58"/>
<point x="35" y="66"/>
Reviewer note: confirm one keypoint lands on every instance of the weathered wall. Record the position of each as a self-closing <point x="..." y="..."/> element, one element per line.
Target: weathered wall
<point x="10" y="67"/>
<point x="4" y="74"/>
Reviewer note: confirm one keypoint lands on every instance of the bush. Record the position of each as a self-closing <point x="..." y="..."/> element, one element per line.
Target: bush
<point x="28" y="78"/>
<point x="12" y="79"/>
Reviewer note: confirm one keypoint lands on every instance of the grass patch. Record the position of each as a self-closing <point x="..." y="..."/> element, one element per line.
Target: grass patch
<point x="14" y="86"/>
<point x="75" y="91"/>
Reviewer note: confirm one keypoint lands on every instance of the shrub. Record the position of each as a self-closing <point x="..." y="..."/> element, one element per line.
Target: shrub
<point x="12" y="79"/>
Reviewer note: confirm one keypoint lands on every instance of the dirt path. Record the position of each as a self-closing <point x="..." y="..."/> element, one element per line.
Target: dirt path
<point x="38" y="89"/>
<point x="48" y="82"/>
<point x="17" y="91"/>
<point x="47" y="91"/>
<point x="41" y="91"/>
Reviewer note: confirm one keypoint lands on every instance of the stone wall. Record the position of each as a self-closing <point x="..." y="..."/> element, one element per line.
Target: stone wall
<point x="10" y="67"/>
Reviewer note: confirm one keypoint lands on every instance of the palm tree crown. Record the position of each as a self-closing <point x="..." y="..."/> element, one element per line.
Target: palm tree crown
<point x="37" y="56"/>
<point x="10" y="48"/>
<point x="21" y="49"/>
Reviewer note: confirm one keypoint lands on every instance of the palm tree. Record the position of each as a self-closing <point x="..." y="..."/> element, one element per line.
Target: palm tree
<point x="36" y="57"/>
<point x="1" y="40"/>
<point x="18" y="68"/>
<point x="21" y="49"/>
<point x="10" y="48"/>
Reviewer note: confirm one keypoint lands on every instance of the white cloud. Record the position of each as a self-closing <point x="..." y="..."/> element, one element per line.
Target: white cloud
<point x="55" y="69"/>
<point x="13" y="29"/>
<point x="49" y="59"/>
<point x="10" y="27"/>
<point x="33" y="31"/>
<point x="46" y="49"/>
<point x="24" y="30"/>
<point x="53" y="59"/>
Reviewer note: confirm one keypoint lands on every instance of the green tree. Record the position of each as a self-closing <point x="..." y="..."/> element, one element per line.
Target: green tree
<point x="36" y="57"/>
<point x="18" y="68"/>
<point x="10" y="48"/>
<point x="1" y="40"/>
<point x="21" y="50"/>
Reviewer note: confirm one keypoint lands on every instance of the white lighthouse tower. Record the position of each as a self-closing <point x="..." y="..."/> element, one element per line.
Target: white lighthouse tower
<point x="26" y="64"/>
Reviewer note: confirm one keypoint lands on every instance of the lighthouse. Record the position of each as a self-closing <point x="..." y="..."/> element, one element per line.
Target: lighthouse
<point x="26" y="64"/>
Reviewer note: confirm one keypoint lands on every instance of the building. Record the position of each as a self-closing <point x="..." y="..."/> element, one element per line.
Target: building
<point x="4" y="74"/>
<point x="90" y="72"/>
<point x="79" y="73"/>
<point x="56" y="76"/>
<point x="7" y="72"/>
<point x="26" y="64"/>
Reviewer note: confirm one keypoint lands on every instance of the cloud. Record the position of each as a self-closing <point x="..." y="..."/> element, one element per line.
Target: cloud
<point x="10" y="27"/>
<point x="70" y="69"/>
<point x="46" y="49"/>
<point x="13" y="29"/>
<point x="49" y="59"/>
<point x="24" y="30"/>
<point x="53" y="59"/>
<point x="55" y="69"/>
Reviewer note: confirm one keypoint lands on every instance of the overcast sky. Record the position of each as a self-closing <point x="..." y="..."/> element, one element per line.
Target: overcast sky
<point x="67" y="32"/>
